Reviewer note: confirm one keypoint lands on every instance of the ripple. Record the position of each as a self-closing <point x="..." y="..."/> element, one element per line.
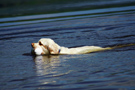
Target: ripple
<point x="101" y="27"/>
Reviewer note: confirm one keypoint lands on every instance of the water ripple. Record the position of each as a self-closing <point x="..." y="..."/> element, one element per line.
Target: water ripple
<point x="66" y="15"/>
<point x="111" y="70"/>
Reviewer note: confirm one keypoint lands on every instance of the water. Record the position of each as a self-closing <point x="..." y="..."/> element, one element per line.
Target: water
<point x="106" y="26"/>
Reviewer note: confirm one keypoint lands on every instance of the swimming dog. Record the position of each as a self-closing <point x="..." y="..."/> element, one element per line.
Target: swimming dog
<point x="47" y="46"/>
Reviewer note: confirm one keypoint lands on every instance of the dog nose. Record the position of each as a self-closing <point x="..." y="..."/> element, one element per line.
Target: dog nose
<point x="32" y="44"/>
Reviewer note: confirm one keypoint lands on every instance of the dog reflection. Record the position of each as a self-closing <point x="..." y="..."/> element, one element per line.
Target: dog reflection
<point x="46" y="64"/>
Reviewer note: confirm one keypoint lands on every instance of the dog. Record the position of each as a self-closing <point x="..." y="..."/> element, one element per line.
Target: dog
<point x="46" y="46"/>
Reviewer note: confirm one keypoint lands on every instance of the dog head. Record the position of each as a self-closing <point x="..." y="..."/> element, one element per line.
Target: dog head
<point x="45" y="46"/>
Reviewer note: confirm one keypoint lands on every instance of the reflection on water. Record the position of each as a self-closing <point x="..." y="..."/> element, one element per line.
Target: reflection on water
<point x="51" y="68"/>
<point x="88" y="71"/>
<point x="44" y="64"/>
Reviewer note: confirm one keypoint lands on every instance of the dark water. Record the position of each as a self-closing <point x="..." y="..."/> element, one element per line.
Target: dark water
<point x="107" y="26"/>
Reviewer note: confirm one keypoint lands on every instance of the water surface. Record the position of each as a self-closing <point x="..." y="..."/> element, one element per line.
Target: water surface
<point x="108" y="70"/>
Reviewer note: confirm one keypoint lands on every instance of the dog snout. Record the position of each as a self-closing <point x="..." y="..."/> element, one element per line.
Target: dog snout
<point x="32" y="44"/>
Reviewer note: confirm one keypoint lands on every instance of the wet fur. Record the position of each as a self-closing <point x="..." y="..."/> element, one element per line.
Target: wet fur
<point x="47" y="46"/>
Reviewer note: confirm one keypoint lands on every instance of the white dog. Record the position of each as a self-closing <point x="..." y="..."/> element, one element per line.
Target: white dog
<point x="48" y="46"/>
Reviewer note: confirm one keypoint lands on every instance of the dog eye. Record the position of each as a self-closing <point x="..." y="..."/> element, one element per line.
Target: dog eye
<point x="40" y="43"/>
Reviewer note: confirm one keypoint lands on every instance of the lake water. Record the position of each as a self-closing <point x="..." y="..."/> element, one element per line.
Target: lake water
<point x="111" y="23"/>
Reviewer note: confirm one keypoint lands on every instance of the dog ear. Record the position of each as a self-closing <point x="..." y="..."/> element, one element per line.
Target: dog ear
<point x="53" y="48"/>
<point x="50" y="45"/>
